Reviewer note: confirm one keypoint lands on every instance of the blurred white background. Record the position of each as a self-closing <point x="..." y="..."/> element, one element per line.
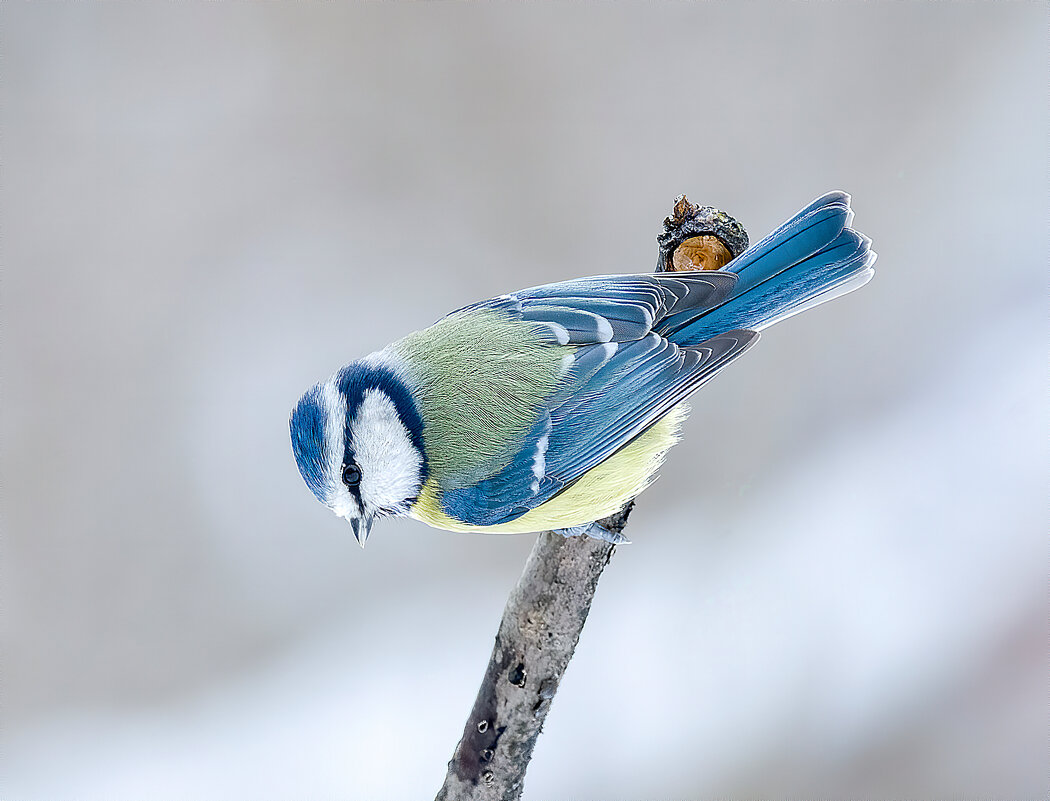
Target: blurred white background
<point x="839" y="586"/>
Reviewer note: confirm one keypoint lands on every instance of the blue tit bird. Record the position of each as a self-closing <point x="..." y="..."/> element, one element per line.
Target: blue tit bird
<point x="552" y="407"/>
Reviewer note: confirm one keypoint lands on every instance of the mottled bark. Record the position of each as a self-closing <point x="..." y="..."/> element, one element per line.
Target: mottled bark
<point x="537" y="636"/>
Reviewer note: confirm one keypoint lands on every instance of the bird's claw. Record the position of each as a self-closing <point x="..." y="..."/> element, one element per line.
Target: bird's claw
<point x="594" y="531"/>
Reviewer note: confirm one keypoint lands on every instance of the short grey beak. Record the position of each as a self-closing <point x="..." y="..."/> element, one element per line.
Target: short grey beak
<point x="361" y="532"/>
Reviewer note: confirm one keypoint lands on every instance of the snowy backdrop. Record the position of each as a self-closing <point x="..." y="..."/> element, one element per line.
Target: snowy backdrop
<point x="838" y="588"/>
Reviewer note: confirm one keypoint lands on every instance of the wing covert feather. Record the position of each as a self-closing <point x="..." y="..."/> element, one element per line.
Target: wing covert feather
<point x="618" y="394"/>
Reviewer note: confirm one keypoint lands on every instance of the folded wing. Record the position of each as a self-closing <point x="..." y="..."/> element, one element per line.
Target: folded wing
<point x="619" y="379"/>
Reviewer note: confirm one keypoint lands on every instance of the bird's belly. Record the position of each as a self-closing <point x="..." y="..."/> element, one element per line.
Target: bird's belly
<point x="599" y="492"/>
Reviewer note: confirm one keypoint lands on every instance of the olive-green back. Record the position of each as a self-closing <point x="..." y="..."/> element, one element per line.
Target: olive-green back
<point x="479" y="378"/>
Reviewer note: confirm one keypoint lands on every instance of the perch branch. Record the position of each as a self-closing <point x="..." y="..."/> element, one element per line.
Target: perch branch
<point x="537" y="636"/>
<point x="546" y="610"/>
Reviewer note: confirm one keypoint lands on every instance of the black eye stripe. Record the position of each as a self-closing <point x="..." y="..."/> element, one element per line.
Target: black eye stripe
<point x="352" y="476"/>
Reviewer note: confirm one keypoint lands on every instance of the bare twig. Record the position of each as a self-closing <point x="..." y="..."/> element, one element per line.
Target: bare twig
<point x="546" y="610"/>
<point x="537" y="636"/>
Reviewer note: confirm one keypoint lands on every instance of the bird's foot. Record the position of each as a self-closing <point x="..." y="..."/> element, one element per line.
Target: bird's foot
<point x="594" y="531"/>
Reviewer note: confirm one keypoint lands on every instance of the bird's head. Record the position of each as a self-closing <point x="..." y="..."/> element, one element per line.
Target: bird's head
<point x="358" y="441"/>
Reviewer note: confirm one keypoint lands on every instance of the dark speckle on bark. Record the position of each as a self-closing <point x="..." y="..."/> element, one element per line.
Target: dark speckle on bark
<point x="517" y="675"/>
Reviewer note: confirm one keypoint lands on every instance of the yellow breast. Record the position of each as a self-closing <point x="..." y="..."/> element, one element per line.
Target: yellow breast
<point x="599" y="492"/>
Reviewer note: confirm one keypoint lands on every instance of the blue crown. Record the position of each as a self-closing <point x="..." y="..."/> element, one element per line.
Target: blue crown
<point x="309" y="443"/>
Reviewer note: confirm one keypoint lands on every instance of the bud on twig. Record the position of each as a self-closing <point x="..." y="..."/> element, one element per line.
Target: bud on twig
<point x="698" y="238"/>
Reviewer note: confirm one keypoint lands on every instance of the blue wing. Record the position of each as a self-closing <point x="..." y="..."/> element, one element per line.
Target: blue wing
<point x="613" y="308"/>
<point x="621" y="379"/>
<point x="645" y="342"/>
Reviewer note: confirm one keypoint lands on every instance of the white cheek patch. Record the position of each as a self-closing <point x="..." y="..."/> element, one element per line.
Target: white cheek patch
<point x="391" y="465"/>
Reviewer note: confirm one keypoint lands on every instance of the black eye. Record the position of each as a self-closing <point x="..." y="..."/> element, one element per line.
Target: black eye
<point x="352" y="475"/>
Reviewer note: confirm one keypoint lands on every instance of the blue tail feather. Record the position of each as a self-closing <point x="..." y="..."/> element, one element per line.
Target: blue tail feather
<point x="812" y="255"/>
